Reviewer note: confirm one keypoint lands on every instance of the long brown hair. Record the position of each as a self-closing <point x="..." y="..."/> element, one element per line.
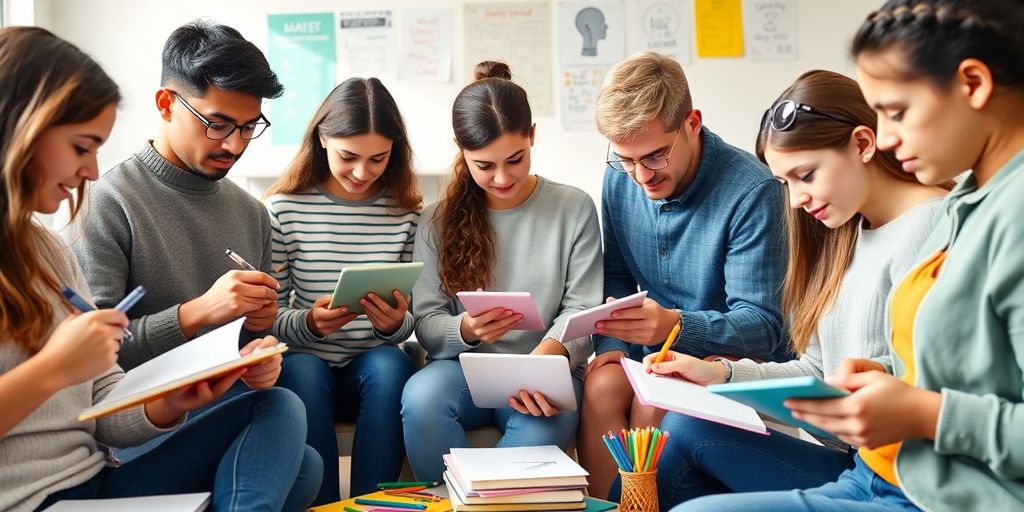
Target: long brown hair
<point x="357" y="106"/>
<point x="486" y="109"/>
<point x="44" y="82"/>
<point x="819" y="256"/>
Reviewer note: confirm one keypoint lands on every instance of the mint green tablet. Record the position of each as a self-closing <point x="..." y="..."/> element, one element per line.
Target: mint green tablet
<point x="766" y="396"/>
<point x="357" y="281"/>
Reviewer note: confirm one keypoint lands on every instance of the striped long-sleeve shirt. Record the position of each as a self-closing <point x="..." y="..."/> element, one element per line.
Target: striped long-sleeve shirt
<point x="315" y="235"/>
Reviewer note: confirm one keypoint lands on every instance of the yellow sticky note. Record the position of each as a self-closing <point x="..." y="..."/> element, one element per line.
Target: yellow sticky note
<point x="719" y="28"/>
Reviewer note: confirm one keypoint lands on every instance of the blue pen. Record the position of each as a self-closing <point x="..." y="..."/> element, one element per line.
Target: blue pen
<point x="129" y="300"/>
<point x="126" y="303"/>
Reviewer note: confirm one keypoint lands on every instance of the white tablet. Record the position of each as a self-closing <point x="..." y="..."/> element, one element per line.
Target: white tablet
<point x="584" y="323"/>
<point x="493" y="378"/>
<point x="478" y="303"/>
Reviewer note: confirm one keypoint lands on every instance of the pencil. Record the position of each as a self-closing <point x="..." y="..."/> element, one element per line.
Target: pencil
<point x="389" y="504"/>
<point x="668" y="343"/>
<point x="403" y="485"/>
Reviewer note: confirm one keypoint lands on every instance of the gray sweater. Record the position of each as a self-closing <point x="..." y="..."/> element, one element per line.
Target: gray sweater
<point x="50" y="450"/>
<point x="855" y="326"/>
<point x="148" y="222"/>
<point x="549" y="246"/>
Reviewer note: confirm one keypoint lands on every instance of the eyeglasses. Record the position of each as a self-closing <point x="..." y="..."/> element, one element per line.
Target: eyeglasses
<point x="653" y="162"/>
<point x="222" y="130"/>
<point x="783" y="115"/>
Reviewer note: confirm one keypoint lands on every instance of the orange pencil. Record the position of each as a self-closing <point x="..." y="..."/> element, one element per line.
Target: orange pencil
<point x="668" y="343"/>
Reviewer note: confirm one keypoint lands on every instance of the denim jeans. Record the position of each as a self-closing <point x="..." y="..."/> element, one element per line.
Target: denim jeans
<point x="703" y="457"/>
<point x="858" y="489"/>
<point x="437" y="410"/>
<point x="249" y="451"/>
<point x="368" y="390"/>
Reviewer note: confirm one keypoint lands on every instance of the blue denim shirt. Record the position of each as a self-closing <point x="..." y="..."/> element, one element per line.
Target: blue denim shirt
<point x="716" y="253"/>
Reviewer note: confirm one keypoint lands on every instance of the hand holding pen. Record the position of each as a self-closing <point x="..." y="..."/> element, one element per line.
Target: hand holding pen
<point x="126" y="303"/>
<point x="262" y="318"/>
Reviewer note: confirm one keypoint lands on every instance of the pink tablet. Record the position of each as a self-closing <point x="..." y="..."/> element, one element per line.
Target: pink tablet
<point x="584" y="323"/>
<point x="478" y="303"/>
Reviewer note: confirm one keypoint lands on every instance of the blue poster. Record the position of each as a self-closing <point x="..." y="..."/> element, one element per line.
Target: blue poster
<point x="302" y="53"/>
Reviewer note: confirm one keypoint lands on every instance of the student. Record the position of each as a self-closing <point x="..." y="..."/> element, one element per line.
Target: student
<point x="946" y="432"/>
<point x="60" y="107"/>
<point x="497" y="228"/>
<point x="855" y="222"/>
<point x="163" y="217"/>
<point x="348" y="198"/>
<point x="692" y="220"/>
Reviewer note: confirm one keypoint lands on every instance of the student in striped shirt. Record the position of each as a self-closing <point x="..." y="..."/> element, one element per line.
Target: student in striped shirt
<point x="348" y="198"/>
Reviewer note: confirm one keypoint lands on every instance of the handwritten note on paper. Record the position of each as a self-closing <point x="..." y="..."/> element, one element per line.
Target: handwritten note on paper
<point x="579" y="87"/>
<point x="719" y="28"/>
<point x="519" y="34"/>
<point x="427" y="45"/>
<point x="365" y="44"/>
<point x="771" y="29"/>
<point x="664" y="27"/>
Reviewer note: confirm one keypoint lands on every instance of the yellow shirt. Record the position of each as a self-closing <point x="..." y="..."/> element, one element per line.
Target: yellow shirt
<point x="905" y="301"/>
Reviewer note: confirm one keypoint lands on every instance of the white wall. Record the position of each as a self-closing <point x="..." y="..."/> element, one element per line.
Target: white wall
<point x="126" y="37"/>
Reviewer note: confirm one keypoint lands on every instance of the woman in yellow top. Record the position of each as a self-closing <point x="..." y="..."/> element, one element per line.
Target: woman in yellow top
<point x="948" y="432"/>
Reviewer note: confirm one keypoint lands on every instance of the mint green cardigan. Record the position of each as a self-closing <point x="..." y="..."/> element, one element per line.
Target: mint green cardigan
<point x="969" y="345"/>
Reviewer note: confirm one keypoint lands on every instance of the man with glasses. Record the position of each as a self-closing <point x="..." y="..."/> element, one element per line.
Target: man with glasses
<point x="695" y="222"/>
<point x="164" y="217"/>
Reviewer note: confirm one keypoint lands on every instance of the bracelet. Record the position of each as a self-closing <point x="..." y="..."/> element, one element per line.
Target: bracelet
<point x="728" y="367"/>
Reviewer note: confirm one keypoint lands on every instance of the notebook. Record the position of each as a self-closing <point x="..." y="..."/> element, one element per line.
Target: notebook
<point x="206" y="357"/>
<point x="524" y="466"/>
<point x="357" y="281"/>
<point x="678" y="395"/>
<point x="585" y="322"/>
<point x="168" y="503"/>
<point x="766" y="396"/>
<point x="510" y="496"/>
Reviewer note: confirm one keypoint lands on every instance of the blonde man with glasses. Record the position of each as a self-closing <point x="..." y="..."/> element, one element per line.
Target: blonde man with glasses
<point x="692" y="220"/>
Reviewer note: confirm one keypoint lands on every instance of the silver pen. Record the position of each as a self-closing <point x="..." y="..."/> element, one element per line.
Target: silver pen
<point x="244" y="265"/>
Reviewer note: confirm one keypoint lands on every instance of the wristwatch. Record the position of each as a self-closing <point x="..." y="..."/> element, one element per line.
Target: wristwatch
<point x="728" y="367"/>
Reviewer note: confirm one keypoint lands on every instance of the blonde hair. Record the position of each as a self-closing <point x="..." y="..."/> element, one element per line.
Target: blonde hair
<point x="639" y="89"/>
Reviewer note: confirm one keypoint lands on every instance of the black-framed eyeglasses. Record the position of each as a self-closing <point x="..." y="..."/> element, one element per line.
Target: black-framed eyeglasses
<point x="782" y="116"/>
<point x="652" y="162"/>
<point x="221" y="130"/>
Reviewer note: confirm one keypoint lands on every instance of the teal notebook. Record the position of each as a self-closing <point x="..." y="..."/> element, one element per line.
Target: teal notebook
<point x="357" y="281"/>
<point x="766" y="396"/>
<point x="596" y="505"/>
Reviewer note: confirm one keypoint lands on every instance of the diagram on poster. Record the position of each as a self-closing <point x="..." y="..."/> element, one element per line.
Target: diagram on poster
<point x="664" y="26"/>
<point x="365" y="46"/>
<point x="770" y="29"/>
<point x="591" y="33"/>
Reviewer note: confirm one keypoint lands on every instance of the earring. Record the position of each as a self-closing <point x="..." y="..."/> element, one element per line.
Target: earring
<point x="867" y="157"/>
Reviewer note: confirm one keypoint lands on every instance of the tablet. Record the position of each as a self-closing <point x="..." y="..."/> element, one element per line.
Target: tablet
<point x="493" y="378"/>
<point x="478" y="303"/>
<point x="357" y="281"/>
<point x="766" y="396"/>
<point x="584" y="323"/>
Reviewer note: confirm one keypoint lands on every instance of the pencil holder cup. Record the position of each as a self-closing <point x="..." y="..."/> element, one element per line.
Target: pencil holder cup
<point x="639" y="491"/>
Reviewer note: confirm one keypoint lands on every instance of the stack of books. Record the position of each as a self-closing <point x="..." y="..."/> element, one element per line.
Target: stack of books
<point x="513" y="479"/>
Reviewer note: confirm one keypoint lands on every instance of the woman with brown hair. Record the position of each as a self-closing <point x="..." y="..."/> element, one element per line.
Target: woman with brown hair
<point x="497" y="228"/>
<point x="855" y="223"/>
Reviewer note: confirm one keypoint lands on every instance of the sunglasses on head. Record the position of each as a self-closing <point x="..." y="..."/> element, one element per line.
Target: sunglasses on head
<point x="782" y="116"/>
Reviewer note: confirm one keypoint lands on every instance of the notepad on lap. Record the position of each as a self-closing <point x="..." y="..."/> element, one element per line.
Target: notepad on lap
<point x="585" y="322"/>
<point x="169" y="503"/>
<point x="478" y="303"/>
<point x="766" y="396"/>
<point x="493" y="378"/>
<point x="206" y="357"/>
<point x="691" y="399"/>
<point x="524" y="466"/>
<point x="356" y="282"/>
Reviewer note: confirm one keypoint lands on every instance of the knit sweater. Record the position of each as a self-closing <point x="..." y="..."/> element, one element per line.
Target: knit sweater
<point x="50" y="450"/>
<point x="549" y="246"/>
<point x="151" y="223"/>
<point x="855" y="325"/>
<point x="315" y="235"/>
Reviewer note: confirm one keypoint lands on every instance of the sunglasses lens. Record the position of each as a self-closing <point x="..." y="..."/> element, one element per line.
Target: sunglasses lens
<point x="783" y="115"/>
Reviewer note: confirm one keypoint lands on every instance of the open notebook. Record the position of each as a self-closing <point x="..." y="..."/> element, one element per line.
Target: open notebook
<point x="208" y="356"/>
<point x="691" y="399"/>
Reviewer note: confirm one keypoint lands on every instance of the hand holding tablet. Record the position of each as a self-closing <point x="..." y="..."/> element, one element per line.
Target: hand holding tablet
<point x="358" y="281"/>
<point x="480" y="302"/>
<point x="584" y="323"/>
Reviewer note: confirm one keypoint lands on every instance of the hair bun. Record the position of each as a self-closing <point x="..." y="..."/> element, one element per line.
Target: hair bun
<point x="492" y="69"/>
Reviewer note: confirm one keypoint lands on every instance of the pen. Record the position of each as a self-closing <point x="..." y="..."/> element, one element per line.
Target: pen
<point x="129" y="300"/>
<point x="244" y="265"/>
<point x="668" y="344"/>
<point x="126" y="303"/>
<point x="400" y="485"/>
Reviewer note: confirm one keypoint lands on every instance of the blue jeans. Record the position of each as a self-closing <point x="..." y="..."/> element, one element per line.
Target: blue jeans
<point x="858" y="489"/>
<point x="250" y="451"/>
<point x="368" y="390"/>
<point x="702" y="457"/>
<point x="437" y="410"/>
